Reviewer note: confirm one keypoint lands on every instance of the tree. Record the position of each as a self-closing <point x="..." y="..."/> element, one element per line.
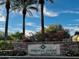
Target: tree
<point x="7" y="6"/>
<point x="53" y="28"/>
<point x="53" y="33"/>
<point x="25" y="5"/>
<point x="41" y="2"/>
<point x="4" y="45"/>
<point x="56" y="32"/>
<point x="16" y="36"/>
<point x="7" y="18"/>
<point x="38" y="37"/>
<point x="1" y="35"/>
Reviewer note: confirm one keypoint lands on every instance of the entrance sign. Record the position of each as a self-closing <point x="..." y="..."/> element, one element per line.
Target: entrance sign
<point x="44" y="49"/>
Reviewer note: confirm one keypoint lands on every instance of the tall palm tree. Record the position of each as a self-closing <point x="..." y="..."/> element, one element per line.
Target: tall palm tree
<point x="25" y="5"/>
<point x="42" y="2"/>
<point x="7" y="6"/>
<point x="7" y="18"/>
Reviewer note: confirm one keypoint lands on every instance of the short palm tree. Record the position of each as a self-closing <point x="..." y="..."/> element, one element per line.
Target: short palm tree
<point x="7" y="6"/>
<point x="25" y="5"/>
<point x="42" y="2"/>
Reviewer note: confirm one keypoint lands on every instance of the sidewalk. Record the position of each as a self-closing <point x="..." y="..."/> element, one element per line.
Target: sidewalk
<point x="38" y="57"/>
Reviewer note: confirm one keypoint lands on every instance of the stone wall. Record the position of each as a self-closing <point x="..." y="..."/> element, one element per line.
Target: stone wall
<point x="64" y="46"/>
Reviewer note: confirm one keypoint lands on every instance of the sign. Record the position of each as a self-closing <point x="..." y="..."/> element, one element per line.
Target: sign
<point x="44" y="49"/>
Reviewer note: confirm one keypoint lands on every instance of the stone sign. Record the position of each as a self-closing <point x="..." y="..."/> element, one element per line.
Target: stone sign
<point x="44" y="49"/>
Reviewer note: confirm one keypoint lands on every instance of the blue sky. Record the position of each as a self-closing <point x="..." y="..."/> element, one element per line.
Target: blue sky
<point x="64" y="12"/>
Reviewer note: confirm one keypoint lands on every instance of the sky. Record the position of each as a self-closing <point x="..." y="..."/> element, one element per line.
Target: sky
<point x="64" y="12"/>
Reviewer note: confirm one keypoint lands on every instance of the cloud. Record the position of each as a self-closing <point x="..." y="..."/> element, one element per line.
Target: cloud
<point x="34" y="26"/>
<point x="2" y="29"/>
<point x="72" y="29"/>
<point x="70" y="11"/>
<point x="29" y="32"/>
<point x="76" y="25"/>
<point x="13" y="30"/>
<point x="28" y="24"/>
<point x="50" y="13"/>
<point x="2" y="18"/>
<point x="36" y="14"/>
<point x="38" y="28"/>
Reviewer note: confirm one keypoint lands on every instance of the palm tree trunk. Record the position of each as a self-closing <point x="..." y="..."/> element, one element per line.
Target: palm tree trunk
<point x="24" y="24"/>
<point x="42" y="20"/>
<point x="6" y="24"/>
<point x="24" y="14"/>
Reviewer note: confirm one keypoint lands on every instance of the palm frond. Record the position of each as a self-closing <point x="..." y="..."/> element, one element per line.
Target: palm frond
<point x="19" y="4"/>
<point x="34" y="8"/>
<point x="29" y="12"/>
<point x="2" y="3"/>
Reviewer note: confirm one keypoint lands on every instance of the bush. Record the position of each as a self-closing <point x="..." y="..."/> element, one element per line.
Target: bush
<point x="4" y="45"/>
<point x="12" y="53"/>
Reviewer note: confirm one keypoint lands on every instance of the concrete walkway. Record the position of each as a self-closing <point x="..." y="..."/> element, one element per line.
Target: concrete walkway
<point x="39" y="57"/>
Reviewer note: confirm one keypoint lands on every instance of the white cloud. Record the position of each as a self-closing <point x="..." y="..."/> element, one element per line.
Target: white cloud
<point x="72" y="29"/>
<point x="29" y="32"/>
<point x="46" y="12"/>
<point x="37" y="14"/>
<point x="76" y="25"/>
<point x="2" y="18"/>
<point x="46" y="26"/>
<point x="50" y="13"/>
<point x="1" y="29"/>
<point x="28" y="24"/>
<point x="34" y="26"/>
<point x="70" y="11"/>
<point x="38" y="28"/>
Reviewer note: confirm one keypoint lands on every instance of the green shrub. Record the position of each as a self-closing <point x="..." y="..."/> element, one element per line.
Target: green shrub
<point x="5" y="45"/>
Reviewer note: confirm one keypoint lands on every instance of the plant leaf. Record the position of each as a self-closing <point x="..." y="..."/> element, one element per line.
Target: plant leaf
<point x="33" y="8"/>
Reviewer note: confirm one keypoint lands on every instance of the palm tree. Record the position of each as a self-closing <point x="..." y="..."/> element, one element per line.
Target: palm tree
<point x="7" y="18"/>
<point x="7" y="6"/>
<point x="41" y="2"/>
<point x="25" y="5"/>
